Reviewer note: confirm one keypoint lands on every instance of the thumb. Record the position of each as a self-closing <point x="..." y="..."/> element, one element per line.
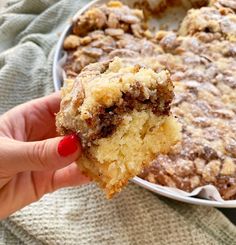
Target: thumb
<point x="43" y="155"/>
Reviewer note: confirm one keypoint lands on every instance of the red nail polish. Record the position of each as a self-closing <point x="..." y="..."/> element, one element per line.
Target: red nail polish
<point x="68" y="145"/>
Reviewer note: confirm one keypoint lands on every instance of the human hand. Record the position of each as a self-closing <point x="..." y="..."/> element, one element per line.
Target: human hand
<point x="33" y="161"/>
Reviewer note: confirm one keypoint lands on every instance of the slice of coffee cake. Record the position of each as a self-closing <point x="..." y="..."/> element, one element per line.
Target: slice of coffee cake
<point x="122" y="116"/>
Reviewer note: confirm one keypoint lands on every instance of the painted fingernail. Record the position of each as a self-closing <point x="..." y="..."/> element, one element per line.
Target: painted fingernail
<point x="68" y="145"/>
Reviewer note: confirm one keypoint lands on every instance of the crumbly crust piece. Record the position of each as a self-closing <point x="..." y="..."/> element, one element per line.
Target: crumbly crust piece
<point x="210" y="20"/>
<point x="103" y="92"/>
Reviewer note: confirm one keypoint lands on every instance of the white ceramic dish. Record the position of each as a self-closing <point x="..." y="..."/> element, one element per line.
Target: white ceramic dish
<point x="171" y="18"/>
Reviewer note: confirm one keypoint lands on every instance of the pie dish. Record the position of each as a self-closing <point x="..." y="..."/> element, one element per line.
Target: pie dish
<point x="201" y="58"/>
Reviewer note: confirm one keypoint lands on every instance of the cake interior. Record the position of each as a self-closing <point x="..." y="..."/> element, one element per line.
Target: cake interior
<point x="113" y="160"/>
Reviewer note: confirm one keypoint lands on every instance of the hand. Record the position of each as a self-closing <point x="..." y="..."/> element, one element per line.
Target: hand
<point x="31" y="164"/>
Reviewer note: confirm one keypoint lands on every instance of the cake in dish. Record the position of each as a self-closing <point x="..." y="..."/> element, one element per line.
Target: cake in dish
<point x="201" y="58"/>
<point x="122" y="116"/>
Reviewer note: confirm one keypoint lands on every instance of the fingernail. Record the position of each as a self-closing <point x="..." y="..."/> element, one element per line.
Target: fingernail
<point x="68" y="145"/>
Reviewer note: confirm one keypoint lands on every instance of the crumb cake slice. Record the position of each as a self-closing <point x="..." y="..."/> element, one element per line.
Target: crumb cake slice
<point x="122" y="115"/>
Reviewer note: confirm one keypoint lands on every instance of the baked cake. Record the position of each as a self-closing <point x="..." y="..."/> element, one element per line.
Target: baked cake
<point x="122" y="116"/>
<point x="201" y="59"/>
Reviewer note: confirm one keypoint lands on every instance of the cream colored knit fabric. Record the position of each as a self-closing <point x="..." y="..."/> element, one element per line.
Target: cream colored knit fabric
<point x="28" y="32"/>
